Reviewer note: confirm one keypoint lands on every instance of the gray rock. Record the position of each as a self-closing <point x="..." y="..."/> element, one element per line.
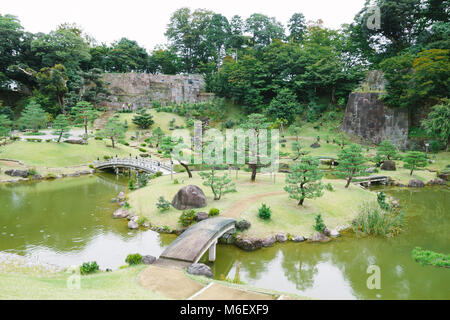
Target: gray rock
<point x="388" y="165"/>
<point x="444" y="176"/>
<point x="416" y="184"/>
<point x="319" y="237"/>
<point x="334" y="234"/>
<point x="370" y="170"/>
<point x="17" y="173"/>
<point x="200" y="269"/>
<point x="248" y="244"/>
<point x="121" y="213"/>
<point x="281" y="237"/>
<point x="315" y="145"/>
<point x="438" y="182"/>
<point x="243" y="225"/>
<point x="326" y="232"/>
<point x="268" y="242"/>
<point x="113" y="200"/>
<point x="148" y="259"/>
<point x="133" y="225"/>
<point x="200" y="216"/>
<point x="189" y="197"/>
<point x="121" y="196"/>
<point x="37" y="177"/>
<point x="73" y="141"/>
<point x="298" y="239"/>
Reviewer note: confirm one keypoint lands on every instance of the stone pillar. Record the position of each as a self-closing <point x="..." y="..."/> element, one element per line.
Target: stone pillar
<point x="212" y="252"/>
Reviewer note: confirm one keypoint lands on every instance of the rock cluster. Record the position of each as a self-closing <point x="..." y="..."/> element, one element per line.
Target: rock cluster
<point x="416" y="184"/>
<point x="388" y="165"/>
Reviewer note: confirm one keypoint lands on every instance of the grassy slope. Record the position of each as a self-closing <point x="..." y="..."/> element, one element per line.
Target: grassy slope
<point x="337" y="207"/>
<point x="50" y="154"/>
<point x="121" y="284"/>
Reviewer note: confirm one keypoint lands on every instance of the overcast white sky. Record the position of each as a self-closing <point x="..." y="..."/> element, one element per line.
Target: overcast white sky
<point x="145" y="21"/>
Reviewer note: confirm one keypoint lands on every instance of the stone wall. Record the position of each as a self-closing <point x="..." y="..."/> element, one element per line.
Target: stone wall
<point x="368" y="117"/>
<point x="141" y="89"/>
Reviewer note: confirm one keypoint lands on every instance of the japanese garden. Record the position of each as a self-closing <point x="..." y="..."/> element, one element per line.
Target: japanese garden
<point x="245" y="158"/>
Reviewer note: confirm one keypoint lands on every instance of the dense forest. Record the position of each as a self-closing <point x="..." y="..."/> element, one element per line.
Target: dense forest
<point x="257" y="62"/>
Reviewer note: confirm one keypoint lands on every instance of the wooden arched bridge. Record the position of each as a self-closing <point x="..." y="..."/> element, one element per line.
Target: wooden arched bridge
<point x="193" y="243"/>
<point x="147" y="165"/>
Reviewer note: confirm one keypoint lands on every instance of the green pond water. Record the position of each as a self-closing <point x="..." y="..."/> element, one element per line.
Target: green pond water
<point x="67" y="222"/>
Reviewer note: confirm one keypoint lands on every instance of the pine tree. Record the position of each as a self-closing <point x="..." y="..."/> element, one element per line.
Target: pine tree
<point x="85" y="113"/>
<point x="5" y="127"/>
<point x="386" y="151"/>
<point x="414" y="160"/>
<point x="304" y="180"/>
<point x="34" y="117"/>
<point x="143" y="120"/>
<point x="61" y="126"/>
<point x="114" y="130"/>
<point x="220" y="185"/>
<point x="296" y="145"/>
<point x="351" y="163"/>
<point x="157" y="135"/>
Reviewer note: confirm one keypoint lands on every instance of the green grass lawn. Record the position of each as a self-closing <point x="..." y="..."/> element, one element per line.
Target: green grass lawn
<point x="121" y="285"/>
<point x="337" y="208"/>
<point x="51" y="154"/>
<point x="161" y="119"/>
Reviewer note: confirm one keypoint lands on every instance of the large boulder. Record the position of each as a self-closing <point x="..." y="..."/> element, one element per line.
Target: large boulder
<point x="268" y="242"/>
<point x="133" y="225"/>
<point x="298" y="239"/>
<point x="319" y="237"/>
<point x="243" y="225"/>
<point x="249" y="244"/>
<point x="315" y="145"/>
<point x="444" y="176"/>
<point x="189" y="197"/>
<point x="416" y="184"/>
<point x="17" y="173"/>
<point x="121" y="214"/>
<point x="388" y="165"/>
<point x="75" y="141"/>
<point x="281" y="237"/>
<point x="200" y="269"/>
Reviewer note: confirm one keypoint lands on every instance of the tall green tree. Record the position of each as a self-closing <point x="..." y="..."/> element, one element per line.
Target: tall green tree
<point x="33" y="117"/>
<point x="303" y="182"/>
<point x="414" y="160"/>
<point x="61" y="125"/>
<point x="295" y="130"/>
<point x="5" y="127"/>
<point x="351" y="163"/>
<point x="437" y="123"/>
<point x="297" y="27"/>
<point x="84" y="113"/>
<point x="157" y="135"/>
<point x="256" y="122"/>
<point x="263" y="29"/>
<point x="114" y="130"/>
<point x="283" y="106"/>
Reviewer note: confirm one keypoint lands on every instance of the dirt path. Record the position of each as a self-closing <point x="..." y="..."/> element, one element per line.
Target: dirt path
<point x="174" y="284"/>
<point x="240" y="206"/>
<point x="100" y="122"/>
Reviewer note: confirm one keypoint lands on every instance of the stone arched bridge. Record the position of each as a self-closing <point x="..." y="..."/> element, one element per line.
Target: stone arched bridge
<point x="148" y="166"/>
<point x="193" y="243"/>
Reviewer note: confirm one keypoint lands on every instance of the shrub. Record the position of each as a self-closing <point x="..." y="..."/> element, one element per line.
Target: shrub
<point x="435" y="146"/>
<point x="32" y="172"/>
<point x="34" y="140"/>
<point x="320" y="225"/>
<point x="126" y="205"/>
<point x="143" y="144"/>
<point x="131" y="184"/>
<point x="142" y="180"/>
<point x="187" y="218"/>
<point x="264" y="212"/>
<point x="381" y="199"/>
<point x="106" y="157"/>
<point x="142" y="150"/>
<point x="142" y="220"/>
<point x="89" y="267"/>
<point x="163" y="204"/>
<point x="158" y="174"/>
<point x="176" y="181"/>
<point x="98" y="138"/>
<point x="426" y="257"/>
<point x="372" y="220"/>
<point x="213" y="212"/>
<point x="91" y="166"/>
<point x="329" y="187"/>
<point x="134" y="259"/>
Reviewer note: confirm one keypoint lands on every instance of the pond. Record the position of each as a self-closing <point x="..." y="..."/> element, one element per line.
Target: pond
<point x="67" y="222"/>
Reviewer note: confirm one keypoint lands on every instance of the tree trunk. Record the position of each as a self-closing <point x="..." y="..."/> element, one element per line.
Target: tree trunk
<point x="112" y="140"/>
<point x="412" y="170"/>
<point x="254" y="167"/>
<point x="187" y="169"/>
<point x="60" y="135"/>
<point x="301" y="202"/>
<point x="348" y="182"/>
<point x="85" y="128"/>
